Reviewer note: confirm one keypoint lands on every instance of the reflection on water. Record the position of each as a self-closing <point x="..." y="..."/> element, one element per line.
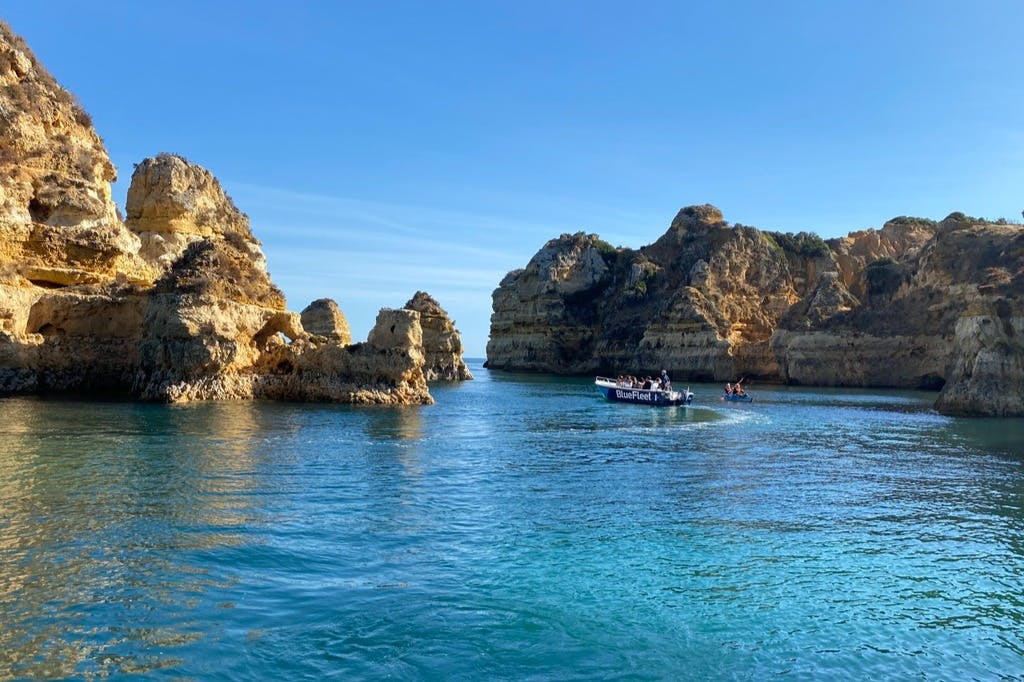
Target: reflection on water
<point x="101" y="506"/>
<point x="521" y="528"/>
<point x="401" y="423"/>
<point x="999" y="435"/>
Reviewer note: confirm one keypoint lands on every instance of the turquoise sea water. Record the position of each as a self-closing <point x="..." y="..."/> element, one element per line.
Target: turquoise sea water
<point x="519" y="529"/>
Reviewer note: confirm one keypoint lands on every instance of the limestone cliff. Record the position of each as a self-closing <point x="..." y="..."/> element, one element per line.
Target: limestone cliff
<point x="899" y="239"/>
<point x="917" y="304"/>
<point x="59" y="231"/>
<point x="980" y="267"/>
<point x="175" y="304"/>
<point x="704" y="300"/>
<point x="442" y="342"/>
<point x="58" y="224"/>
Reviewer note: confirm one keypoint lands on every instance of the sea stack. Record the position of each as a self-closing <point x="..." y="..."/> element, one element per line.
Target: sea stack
<point x="442" y="342"/>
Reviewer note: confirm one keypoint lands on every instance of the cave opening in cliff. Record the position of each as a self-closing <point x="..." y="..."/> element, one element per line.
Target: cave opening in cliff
<point x="47" y="284"/>
<point x="49" y="331"/>
<point x="39" y="211"/>
<point x="931" y="382"/>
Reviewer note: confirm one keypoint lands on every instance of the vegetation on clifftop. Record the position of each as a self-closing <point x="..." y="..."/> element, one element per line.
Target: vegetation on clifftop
<point x="911" y="220"/>
<point x="605" y="249"/>
<point x="805" y="244"/>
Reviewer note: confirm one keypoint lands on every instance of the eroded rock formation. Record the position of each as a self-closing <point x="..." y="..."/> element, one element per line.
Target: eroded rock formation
<point x="172" y="203"/>
<point x="442" y="343"/>
<point x="916" y="304"/>
<point x="324" y="318"/>
<point x="175" y="303"/>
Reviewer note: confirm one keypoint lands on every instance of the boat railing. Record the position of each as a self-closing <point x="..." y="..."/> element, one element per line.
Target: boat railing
<point x="667" y="396"/>
<point x="674" y="393"/>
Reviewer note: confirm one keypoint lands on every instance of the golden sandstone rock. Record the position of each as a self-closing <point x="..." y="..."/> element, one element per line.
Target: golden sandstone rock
<point x="324" y="318"/>
<point x="442" y="343"/>
<point x="917" y="304"/>
<point x="175" y="304"/>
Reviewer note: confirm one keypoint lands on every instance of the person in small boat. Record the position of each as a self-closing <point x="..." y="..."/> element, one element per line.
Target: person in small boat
<point x="738" y="389"/>
<point x="647" y="384"/>
<point x="728" y="389"/>
<point x="666" y="383"/>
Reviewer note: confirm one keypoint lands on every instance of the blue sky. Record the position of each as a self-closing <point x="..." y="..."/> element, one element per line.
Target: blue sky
<point x="385" y="147"/>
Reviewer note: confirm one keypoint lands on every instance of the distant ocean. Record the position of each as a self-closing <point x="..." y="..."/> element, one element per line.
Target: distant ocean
<point x="521" y="528"/>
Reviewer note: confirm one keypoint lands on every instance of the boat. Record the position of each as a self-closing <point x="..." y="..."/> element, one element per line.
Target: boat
<point x="738" y="398"/>
<point x="615" y="393"/>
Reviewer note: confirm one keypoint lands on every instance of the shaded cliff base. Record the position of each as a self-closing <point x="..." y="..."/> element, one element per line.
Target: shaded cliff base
<point x="916" y="304"/>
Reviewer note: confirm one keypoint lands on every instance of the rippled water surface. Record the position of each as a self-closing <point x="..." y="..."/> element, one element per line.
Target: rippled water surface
<point x="520" y="528"/>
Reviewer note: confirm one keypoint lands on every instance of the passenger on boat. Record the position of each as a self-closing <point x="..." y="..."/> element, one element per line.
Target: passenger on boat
<point x="728" y="389"/>
<point x="738" y="390"/>
<point x="647" y="384"/>
<point x="666" y="383"/>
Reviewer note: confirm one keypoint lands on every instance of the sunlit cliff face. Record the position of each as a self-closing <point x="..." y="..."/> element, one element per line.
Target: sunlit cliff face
<point x="176" y="303"/>
<point x="713" y="301"/>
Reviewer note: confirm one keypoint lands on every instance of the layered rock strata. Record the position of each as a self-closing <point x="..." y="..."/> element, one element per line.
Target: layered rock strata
<point x="916" y="304"/>
<point x="174" y="304"/>
<point x="442" y="342"/>
<point x="324" y="318"/>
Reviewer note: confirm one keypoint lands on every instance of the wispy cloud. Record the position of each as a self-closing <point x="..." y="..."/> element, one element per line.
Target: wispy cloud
<point x="372" y="254"/>
<point x="352" y="240"/>
<point x="403" y="219"/>
<point x="316" y="265"/>
<point x="528" y="217"/>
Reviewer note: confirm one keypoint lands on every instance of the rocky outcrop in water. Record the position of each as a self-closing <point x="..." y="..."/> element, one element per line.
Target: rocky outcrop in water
<point x="442" y="343"/>
<point x="173" y="304"/>
<point x="984" y="264"/>
<point x="324" y="318"/>
<point x="916" y="304"/>
<point x="701" y="300"/>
